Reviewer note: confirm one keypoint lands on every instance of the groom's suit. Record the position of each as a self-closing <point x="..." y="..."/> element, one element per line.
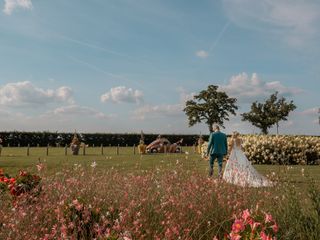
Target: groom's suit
<point x="217" y="148"/>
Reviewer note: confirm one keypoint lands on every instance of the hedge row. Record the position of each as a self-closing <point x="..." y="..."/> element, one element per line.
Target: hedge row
<point x="42" y="139"/>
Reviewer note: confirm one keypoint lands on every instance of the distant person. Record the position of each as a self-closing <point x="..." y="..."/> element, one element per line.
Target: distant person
<point x="142" y="147"/>
<point x="174" y="147"/>
<point x="0" y="145"/>
<point x="217" y="148"/>
<point x="199" y="142"/>
<point x="75" y="145"/>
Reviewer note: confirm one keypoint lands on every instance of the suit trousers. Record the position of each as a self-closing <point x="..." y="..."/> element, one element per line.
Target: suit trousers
<point x="211" y="162"/>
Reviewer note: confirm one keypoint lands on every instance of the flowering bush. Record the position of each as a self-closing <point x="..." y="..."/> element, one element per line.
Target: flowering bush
<point x="6" y="182"/>
<point x="253" y="226"/>
<point x="23" y="183"/>
<point x="281" y="149"/>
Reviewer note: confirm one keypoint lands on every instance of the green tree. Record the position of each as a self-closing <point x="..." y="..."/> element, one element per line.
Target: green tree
<point x="210" y="106"/>
<point x="265" y="115"/>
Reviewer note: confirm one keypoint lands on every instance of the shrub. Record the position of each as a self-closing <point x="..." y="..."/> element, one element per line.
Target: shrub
<point x="280" y="149"/>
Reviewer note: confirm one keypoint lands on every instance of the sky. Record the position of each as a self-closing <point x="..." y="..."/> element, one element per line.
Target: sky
<point x="121" y="66"/>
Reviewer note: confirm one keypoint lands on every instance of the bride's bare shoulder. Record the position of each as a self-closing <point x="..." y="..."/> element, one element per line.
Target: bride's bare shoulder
<point x="238" y="141"/>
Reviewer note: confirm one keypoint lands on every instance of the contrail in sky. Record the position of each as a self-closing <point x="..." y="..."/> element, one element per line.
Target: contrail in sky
<point x="98" y="69"/>
<point x="93" y="46"/>
<point x="214" y="44"/>
<point x="120" y="77"/>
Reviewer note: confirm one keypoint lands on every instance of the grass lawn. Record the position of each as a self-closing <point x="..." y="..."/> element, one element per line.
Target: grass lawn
<point x="13" y="159"/>
<point x="147" y="199"/>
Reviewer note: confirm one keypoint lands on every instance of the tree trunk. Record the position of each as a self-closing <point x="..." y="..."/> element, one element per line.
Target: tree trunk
<point x="264" y="130"/>
<point x="277" y="128"/>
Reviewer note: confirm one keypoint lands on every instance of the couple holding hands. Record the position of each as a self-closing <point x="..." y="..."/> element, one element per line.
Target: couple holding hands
<point x="238" y="169"/>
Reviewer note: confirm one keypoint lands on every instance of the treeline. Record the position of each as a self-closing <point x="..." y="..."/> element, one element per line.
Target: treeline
<point x="15" y="139"/>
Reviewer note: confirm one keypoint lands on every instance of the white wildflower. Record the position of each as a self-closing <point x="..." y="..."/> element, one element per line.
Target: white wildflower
<point x="93" y="164"/>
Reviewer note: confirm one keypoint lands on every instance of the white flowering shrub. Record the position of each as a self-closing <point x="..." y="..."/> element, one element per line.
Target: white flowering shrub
<point x="281" y="149"/>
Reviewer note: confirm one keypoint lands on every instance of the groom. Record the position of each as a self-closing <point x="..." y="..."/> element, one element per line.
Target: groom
<point x="217" y="148"/>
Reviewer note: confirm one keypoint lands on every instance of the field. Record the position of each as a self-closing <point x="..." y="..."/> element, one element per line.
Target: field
<point x="153" y="196"/>
<point x="14" y="159"/>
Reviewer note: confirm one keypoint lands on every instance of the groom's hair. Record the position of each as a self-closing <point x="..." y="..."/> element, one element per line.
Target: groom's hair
<point x="216" y="127"/>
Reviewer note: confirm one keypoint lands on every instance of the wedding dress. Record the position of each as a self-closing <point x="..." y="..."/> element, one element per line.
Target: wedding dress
<point x="239" y="171"/>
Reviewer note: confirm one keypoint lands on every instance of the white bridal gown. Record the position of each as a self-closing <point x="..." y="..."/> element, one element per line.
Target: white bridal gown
<point x="239" y="171"/>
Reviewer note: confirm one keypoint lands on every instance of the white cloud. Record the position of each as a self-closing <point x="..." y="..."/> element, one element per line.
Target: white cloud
<point x="202" y="54"/>
<point x="156" y="111"/>
<point x="80" y="111"/>
<point x="310" y="111"/>
<point x="288" y="123"/>
<point x="294" y="21"/>
<point x="4" y="114"/>
<point x="22" y="94"/>
<point x="184" y="95"/>
<point x="64" y="118"/>
<point x="10" y="5"/>
<point x="164" y="110"/>
<point x="122" y="94"/>
<point x="76" y="111"/>
<point x="248" y="89"/>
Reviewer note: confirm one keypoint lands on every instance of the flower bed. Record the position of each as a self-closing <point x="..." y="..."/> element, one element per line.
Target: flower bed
<point x="265" y="149"/>
<point x="160" y="204"/>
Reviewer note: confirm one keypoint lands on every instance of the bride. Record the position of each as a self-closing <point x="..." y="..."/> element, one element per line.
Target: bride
<point x="239" y="170"/>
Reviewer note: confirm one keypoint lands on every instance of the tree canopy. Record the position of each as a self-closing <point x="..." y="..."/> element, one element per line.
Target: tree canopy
<point x="271" y="112"/>
<point x="210" y="106"/>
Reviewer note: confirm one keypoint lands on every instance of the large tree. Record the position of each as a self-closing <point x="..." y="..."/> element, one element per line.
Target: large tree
<point x="210" y="106"/>
<point x="271" y="112"/>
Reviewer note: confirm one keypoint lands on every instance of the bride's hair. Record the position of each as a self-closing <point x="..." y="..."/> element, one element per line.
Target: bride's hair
<point x="235" y="134"/>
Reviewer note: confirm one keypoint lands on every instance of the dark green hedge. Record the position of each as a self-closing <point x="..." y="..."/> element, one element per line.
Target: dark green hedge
<point x="42" y="139"/>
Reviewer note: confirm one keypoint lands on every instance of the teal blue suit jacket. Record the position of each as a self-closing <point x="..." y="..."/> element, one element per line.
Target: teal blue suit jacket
<point x="217" y="144"/>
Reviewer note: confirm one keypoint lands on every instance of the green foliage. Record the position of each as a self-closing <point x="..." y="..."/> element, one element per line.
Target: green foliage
<point x="3" y="187"/>
<point x="25" y="182"/>
<point x="83" y="220"/>
<point x="210" y="106"/>
<point x="265" y="115"/>
<point x="42" y="139"/>
<point x="296" y="211"/>
<point x="314" y="193"/>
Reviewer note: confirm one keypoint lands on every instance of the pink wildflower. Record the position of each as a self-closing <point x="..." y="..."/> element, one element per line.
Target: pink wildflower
<point x="254" y="225"/>
<point x="237" y="226"/>
<point x="39" y="167"/>
<point x="234" y="236"/>
<point x="268" y="218"/>
<point x="77" y="205"/>
<point x="275" y="228"/>
<point x="264" y="236"/>
<point x="245" y="214"/>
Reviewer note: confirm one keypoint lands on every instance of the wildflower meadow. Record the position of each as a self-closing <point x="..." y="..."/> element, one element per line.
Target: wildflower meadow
<point x="153" y="196"/>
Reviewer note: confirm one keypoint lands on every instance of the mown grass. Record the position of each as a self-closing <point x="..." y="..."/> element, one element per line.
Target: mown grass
<point x="13" y="159"/>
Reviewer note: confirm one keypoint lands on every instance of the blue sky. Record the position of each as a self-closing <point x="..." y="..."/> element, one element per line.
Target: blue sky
<point x="126" y="66"/>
